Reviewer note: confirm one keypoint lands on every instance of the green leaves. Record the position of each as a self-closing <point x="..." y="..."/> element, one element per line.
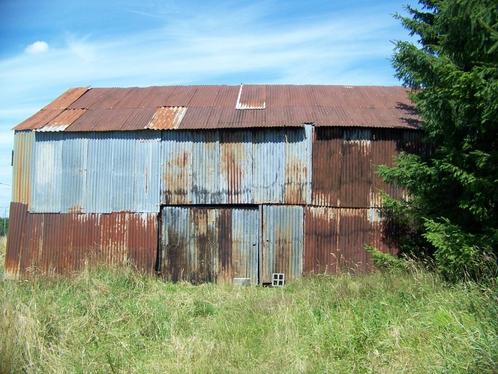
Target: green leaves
<point x="453" y="189"/>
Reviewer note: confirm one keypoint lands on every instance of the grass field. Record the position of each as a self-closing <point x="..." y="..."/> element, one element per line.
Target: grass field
<point x="113" y="320"/>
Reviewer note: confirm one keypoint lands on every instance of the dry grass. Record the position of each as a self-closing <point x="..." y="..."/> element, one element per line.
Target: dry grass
<point x="3" y="245"/>
<point x="114" y="320"/>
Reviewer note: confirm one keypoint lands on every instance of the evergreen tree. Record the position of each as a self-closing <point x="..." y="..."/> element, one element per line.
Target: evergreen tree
<point x="453" y="72"/>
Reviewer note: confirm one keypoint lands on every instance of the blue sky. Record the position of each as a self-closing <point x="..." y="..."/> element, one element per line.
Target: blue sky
<point x="49" y="46"/>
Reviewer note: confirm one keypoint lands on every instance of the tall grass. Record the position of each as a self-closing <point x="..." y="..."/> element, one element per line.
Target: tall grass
<point x="114" y="320"/>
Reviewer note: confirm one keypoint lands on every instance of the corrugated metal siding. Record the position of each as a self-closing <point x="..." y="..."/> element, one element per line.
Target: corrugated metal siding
<point x="21" y="170"/>
<point x="63" y="243"/>
<point x="215" y="107"/>
<point x="209" y="244"/>
<point x="336" y="238"/>
<point x="282" y="241"/>
<point x="345" y="165"/>
<point x="167" y="118"/>
<point x="96" y="173"/>
<point x="241" y="167"/>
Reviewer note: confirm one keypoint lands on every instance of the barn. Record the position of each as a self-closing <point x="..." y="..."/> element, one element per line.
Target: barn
<point x="207" y="183"/>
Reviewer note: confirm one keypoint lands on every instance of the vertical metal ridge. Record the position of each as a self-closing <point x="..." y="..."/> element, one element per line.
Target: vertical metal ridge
<point x="64" y="243"/>
<point x="21" y="168"/>
<point x="336" y="238"/>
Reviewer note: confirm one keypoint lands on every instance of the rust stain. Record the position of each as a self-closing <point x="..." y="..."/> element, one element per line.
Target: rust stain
<point x="211" y="107"/>
<point x="336" y="238"/>
<point x="167" y="118"/>
<point x="50" y="243"/>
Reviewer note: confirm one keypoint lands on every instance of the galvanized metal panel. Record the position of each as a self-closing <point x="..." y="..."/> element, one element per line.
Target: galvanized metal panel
<point x="335" y="239"/>
<point x="96" y="173"/>
<point x="209" y="244"/>
<point x="21" y="170"/>
<point x="269" y="166"/>
<point x="64" y="243"/>
<point x="283" y="241"/>
<point x="240" y="167"/>
<point x="74" y="171"/>
<point x="236" y="171"/>
<point x="206" y="168"/>
<point x="176" y="167"/>
<point x="46" y="192"/>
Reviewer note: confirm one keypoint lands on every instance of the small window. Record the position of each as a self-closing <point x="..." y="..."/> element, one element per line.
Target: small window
<point x="278" y="279"/>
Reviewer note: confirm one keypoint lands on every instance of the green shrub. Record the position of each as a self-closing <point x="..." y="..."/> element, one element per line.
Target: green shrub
<point x="386" y="261"/>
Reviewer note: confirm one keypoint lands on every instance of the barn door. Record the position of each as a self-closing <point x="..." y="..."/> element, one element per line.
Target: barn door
<point x="282" y="242"/>
<point x="209" y="244"/>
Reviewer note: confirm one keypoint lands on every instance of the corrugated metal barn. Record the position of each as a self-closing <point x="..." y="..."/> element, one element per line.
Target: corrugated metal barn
<point x="207" y="183"/>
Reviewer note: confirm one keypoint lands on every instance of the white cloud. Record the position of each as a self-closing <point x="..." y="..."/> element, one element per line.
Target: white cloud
<point x="37" y="47"/>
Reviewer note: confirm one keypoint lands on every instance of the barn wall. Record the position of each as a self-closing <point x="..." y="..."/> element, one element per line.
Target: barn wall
<point x="317" y="192"/>
<point x="63" y="243"/>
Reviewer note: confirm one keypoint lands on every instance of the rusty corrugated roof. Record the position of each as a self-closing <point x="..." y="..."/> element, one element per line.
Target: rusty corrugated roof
<point x="244" y="106"/>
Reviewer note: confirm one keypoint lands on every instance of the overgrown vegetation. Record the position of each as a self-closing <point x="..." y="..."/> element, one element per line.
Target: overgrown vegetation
<point x="4" y="226"/>
<point x="453" y="210"/>
<point x="115" y="320"/>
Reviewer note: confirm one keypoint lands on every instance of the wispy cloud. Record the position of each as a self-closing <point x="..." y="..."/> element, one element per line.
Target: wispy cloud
<point x="37" y="47"/>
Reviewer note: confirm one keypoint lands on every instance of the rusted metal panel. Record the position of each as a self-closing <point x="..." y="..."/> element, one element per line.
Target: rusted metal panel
<point x="282" y="241"/>
<point x="215" y="107"/>
<point x="215" y="244"/>
<point x="345" y="163"/>
<point x="251" y="97"/>
<point x="39" y="119"/>
<point x="67" y="98"/>
<point x="64" y="243"/>
<point x="63" y="120"/>
<point x="167" y="118"/>
<point x="21" y="170"/>
<point x="124" y="119"/>
<point x="96" y="172"/>
<point x="335" y="239"/>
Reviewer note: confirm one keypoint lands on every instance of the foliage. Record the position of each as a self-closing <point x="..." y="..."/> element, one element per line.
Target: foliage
<point x="386" y="261"/>
<point x="115" y="320"/>
<point x="4" y="226"/>
<point x="453" y="70"/>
